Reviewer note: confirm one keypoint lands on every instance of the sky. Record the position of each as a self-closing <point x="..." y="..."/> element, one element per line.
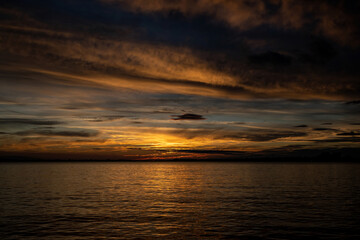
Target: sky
<point x="178" y="79"/>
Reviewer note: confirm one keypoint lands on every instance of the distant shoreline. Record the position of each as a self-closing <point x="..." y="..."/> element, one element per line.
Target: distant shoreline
<point x="247" y="160"/>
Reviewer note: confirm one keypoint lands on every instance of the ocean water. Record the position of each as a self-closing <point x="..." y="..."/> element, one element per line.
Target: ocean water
<point x="189" y="200"/>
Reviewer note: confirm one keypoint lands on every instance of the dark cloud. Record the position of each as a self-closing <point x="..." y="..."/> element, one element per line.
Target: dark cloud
<point x="188" y="116"/>
<point x="272" y="58"/>
<point x="339" y="140"/>
<point x="352" y="133"/>
<point x="323" y="49"/>
<point x="301" y="126"/>
<point x="287" y="148"/>
<point x="353" y="102"/>
<point x="327" y="123"/>
<point x="332" y="19"/>
<point x="60" y="133"/>
<point x="27" y="121"/>
<point x="247" y="135"/>
<point x="94" y="44"/>
<point x="320" y="51"/>
<point x="108" y="118"/>
<point x="226" y="152"/>
<point x="324" y="129"/>
<point x="264" y="136"/>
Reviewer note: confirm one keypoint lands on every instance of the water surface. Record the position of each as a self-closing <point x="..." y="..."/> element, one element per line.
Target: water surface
<point x="179" y="201"/>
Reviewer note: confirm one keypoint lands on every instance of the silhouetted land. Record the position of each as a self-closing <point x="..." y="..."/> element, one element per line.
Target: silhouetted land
<point x="249" y="160"/>
<point x="329" y="155"/>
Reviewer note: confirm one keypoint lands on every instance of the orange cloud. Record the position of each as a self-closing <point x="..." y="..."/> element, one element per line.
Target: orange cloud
<point x="330" y="19"/>
<point x="160" y="68"/>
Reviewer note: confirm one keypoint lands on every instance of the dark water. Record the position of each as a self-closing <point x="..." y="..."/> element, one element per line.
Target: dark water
<point x="179" y="201"/>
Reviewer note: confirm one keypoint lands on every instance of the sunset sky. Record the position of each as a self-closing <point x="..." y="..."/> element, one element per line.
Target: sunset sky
<point x="178" y="79"/>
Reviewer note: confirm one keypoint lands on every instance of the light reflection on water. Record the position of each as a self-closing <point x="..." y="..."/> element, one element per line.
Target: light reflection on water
<point x="179" y="201"/>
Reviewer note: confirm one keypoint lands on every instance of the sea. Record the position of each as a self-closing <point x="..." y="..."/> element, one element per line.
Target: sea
<point x="179" y="200"/>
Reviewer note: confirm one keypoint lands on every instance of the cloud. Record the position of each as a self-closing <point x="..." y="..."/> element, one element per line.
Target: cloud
<point x="327" y="123"/>
<point x="251" y="135"/>
<point x="320" y="52"/>
<point x="352" y="133"/>
<point x="353" y="102"/>
<point x="188" y="116"/>
<point x="106" y="118"/>
<point x="233" y="70"/>
<point x="60" y="133"/>
<point x="97" y="66"/>
<point x="209" y="84"/>
<point x="339" y="140"/>
<point x="264" y="136"/>
<point x="222" y="152"/>
<point x="271" y="58"/>
<point x="324" y="129"/>
<point x="334" y="20"/>
<point x="26" y="121"/>
<point x="301" y="126"/>
<point x="287" y="148"/>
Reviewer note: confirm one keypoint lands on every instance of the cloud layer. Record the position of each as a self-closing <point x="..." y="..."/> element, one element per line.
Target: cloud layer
<point x="178" y="79"/>
<point x="310" y="67"/>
